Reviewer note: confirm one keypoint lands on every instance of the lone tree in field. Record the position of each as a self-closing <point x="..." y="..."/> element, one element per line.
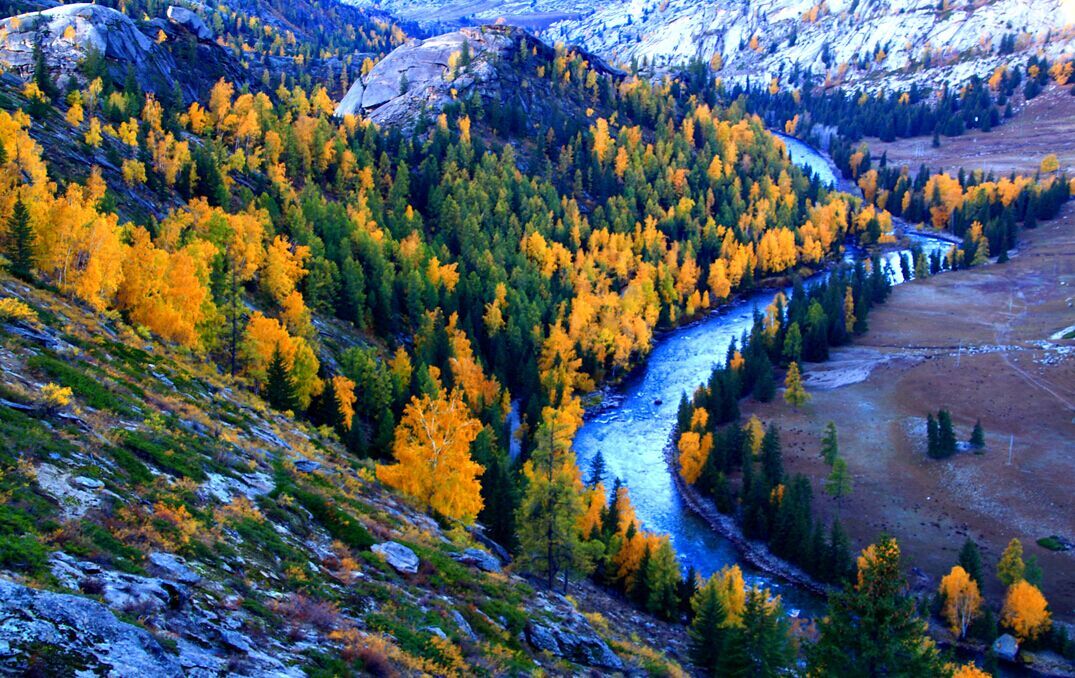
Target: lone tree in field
<point x="977" y="436"/>
<point x="838" y="484"/>
<point x="830" y="447"/>
<point x="794" y="393"/>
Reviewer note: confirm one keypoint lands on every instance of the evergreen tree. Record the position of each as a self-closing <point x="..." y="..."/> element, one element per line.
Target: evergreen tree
<point x="761" y="646"/>
<point x="706" y="633"/>
<point x="772" y="461"/>
<point x="872" y="627"/>
<point x="663" y="581"/>
<point x="279" y="386"/>
<point x="793" y="344"/>
<point x="830" y="447"/>
<point x="765" y="384"/>
<point x="838" y="553"/>
<point x="946" y="440"/>
<point x="20" y="250"/>
<point x="977" y="436"/>
<point x="970" y="559"/>
<point x="42" y="77"/>
<point x="598" y="470"/>
<point x="838" y="484"/>
<point x="550" y="508"/>
<point x="933" y="446"/>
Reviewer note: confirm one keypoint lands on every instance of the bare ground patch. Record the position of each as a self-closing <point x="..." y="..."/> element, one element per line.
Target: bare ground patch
<point x="1041" y="126"/>
<point x="977" y="343"/>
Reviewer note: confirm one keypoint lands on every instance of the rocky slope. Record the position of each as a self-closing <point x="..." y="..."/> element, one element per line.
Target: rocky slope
<point x="427" y="75"/>
<point x="163" y="523"/>
<point x="883" y="42"/>
<point x="161" y="54"/>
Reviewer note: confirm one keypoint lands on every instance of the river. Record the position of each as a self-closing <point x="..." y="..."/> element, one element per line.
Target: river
<point x="633" y="425"/>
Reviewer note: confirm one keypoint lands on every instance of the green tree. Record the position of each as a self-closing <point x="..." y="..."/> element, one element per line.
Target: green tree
<point x="761" y="646"/>
<point x="793" y="344"/>
<point x="970" y="559"/>
<point x="42" y="77"/>
<point x="663" y="579"/>
<point x="20" y="249"/>
<point x="872" y="627"/>
<point x="838" y="484"/>
<point x="279" y="386"/>
<point x="549" y="541"/>
<point x="830" y="446"/>
<point x="977" y="436"/>
<point x="947" y="436"/>
<point x="706" y="633"/>
<point x="598" y="470"/>
<point x="933" y="445"/>
<point x="1010" y="567"/>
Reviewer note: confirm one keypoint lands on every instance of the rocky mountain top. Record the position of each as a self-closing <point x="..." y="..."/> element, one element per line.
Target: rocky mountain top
<point x="880" y="43"/>
<point x="427" y="75"/>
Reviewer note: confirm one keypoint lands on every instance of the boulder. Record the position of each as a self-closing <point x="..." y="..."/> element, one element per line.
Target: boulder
<point x="478" y="558"/>
<point x="190" y="21"/>
<point x="575" y="642"/>
<point x="401" y="558"/>
<point x="79" y="631"/>
<point x="307" y="465"/>
<point x="1006" y="647"/>
<point x="170" y="566"/>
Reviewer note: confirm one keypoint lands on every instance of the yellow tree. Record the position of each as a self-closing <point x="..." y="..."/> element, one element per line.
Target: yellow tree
<point x="1026" y="612"/>
<point x="1010" y="567"/>
<point x="693" y="452"/>
<point x="970" y="671"/>
<point x="962" y="601"/>
<point x="433" y="462"/>
<point x="794" y="393"/>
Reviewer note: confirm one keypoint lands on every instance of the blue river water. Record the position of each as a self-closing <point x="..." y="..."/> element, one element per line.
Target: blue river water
<point x="633" y="426"/>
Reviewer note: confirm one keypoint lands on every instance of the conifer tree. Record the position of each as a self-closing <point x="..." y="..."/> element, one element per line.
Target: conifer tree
<point x="872" y="627"/>
<point x="977" y="436"/>
<point x="20" y="250"/>
<point x="1010" y="567"/>
<point x="838" y="484"/>
<point x="706" y="634"/>
<point x="933" y="445"/>
<point x="663" y="580"/>
<point x="598" y="470"/>
<point x="830" y="447"/>
<point x="760" y="646"/>
<point x="794" y="393"/>
<point x="279" y="386"/>
<point x="970" y="559"/>
<point x="946" y="440"/>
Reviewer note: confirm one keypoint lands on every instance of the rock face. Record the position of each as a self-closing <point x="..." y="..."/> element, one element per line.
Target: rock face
<point x="83" y="634"/>
<point x="188" y="57"/>
<point x="426" y="75"/>
<point x="401" y="558"/>
<point x="480" y="559"/>
<point x="574" y="642"/>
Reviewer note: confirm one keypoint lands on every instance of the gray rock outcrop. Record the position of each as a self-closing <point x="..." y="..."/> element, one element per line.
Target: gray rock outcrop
<point x="401" y="558"/>
<point x="1006" y="647"/>
<point x="83" y="634"/>
<point x="482" y="560"/>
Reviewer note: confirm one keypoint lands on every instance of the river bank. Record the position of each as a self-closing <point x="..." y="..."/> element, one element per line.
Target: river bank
<point x="756" y="553"/>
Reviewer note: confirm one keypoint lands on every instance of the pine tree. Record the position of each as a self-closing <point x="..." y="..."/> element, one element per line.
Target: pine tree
<point x="663" y="579"/>
<point x="830" y="447"/>
<point x="872" y="627"/>
<point x="772" y="461"/>
<point x="838" y="553"/>
<point x="794" y="393"/>
<point x="42" y="77"/>
<point x="550" y="508"/>
<point x="279" y="386"/>
<point x="598" y="470"/>
<point x="20" y="248"/>
<point x="838" y="484"/>
<point x="933" y="447"/>
<point x="946" y="439"/>
<point x="706" y="634"/>
<point x="977" y="436"/>
<point x="970" y="559"/>
<point x="760" y="647"/>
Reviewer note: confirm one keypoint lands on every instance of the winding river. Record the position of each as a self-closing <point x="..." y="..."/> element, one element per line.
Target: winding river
<point x="633" y="425"/>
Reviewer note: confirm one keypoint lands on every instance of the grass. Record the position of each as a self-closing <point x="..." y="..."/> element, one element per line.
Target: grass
<point x="166" y="453"/>
<point x="88" y="388"/>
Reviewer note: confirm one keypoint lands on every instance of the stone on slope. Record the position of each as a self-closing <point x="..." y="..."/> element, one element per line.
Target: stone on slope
<point x="401" y="558"/>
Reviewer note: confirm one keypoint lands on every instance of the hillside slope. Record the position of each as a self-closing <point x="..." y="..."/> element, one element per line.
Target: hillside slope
<point x="224" y="536"/>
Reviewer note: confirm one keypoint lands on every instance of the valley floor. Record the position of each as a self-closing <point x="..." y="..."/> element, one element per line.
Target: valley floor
<point x="978" y="343"/>
<point x="1042" y="126"/>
